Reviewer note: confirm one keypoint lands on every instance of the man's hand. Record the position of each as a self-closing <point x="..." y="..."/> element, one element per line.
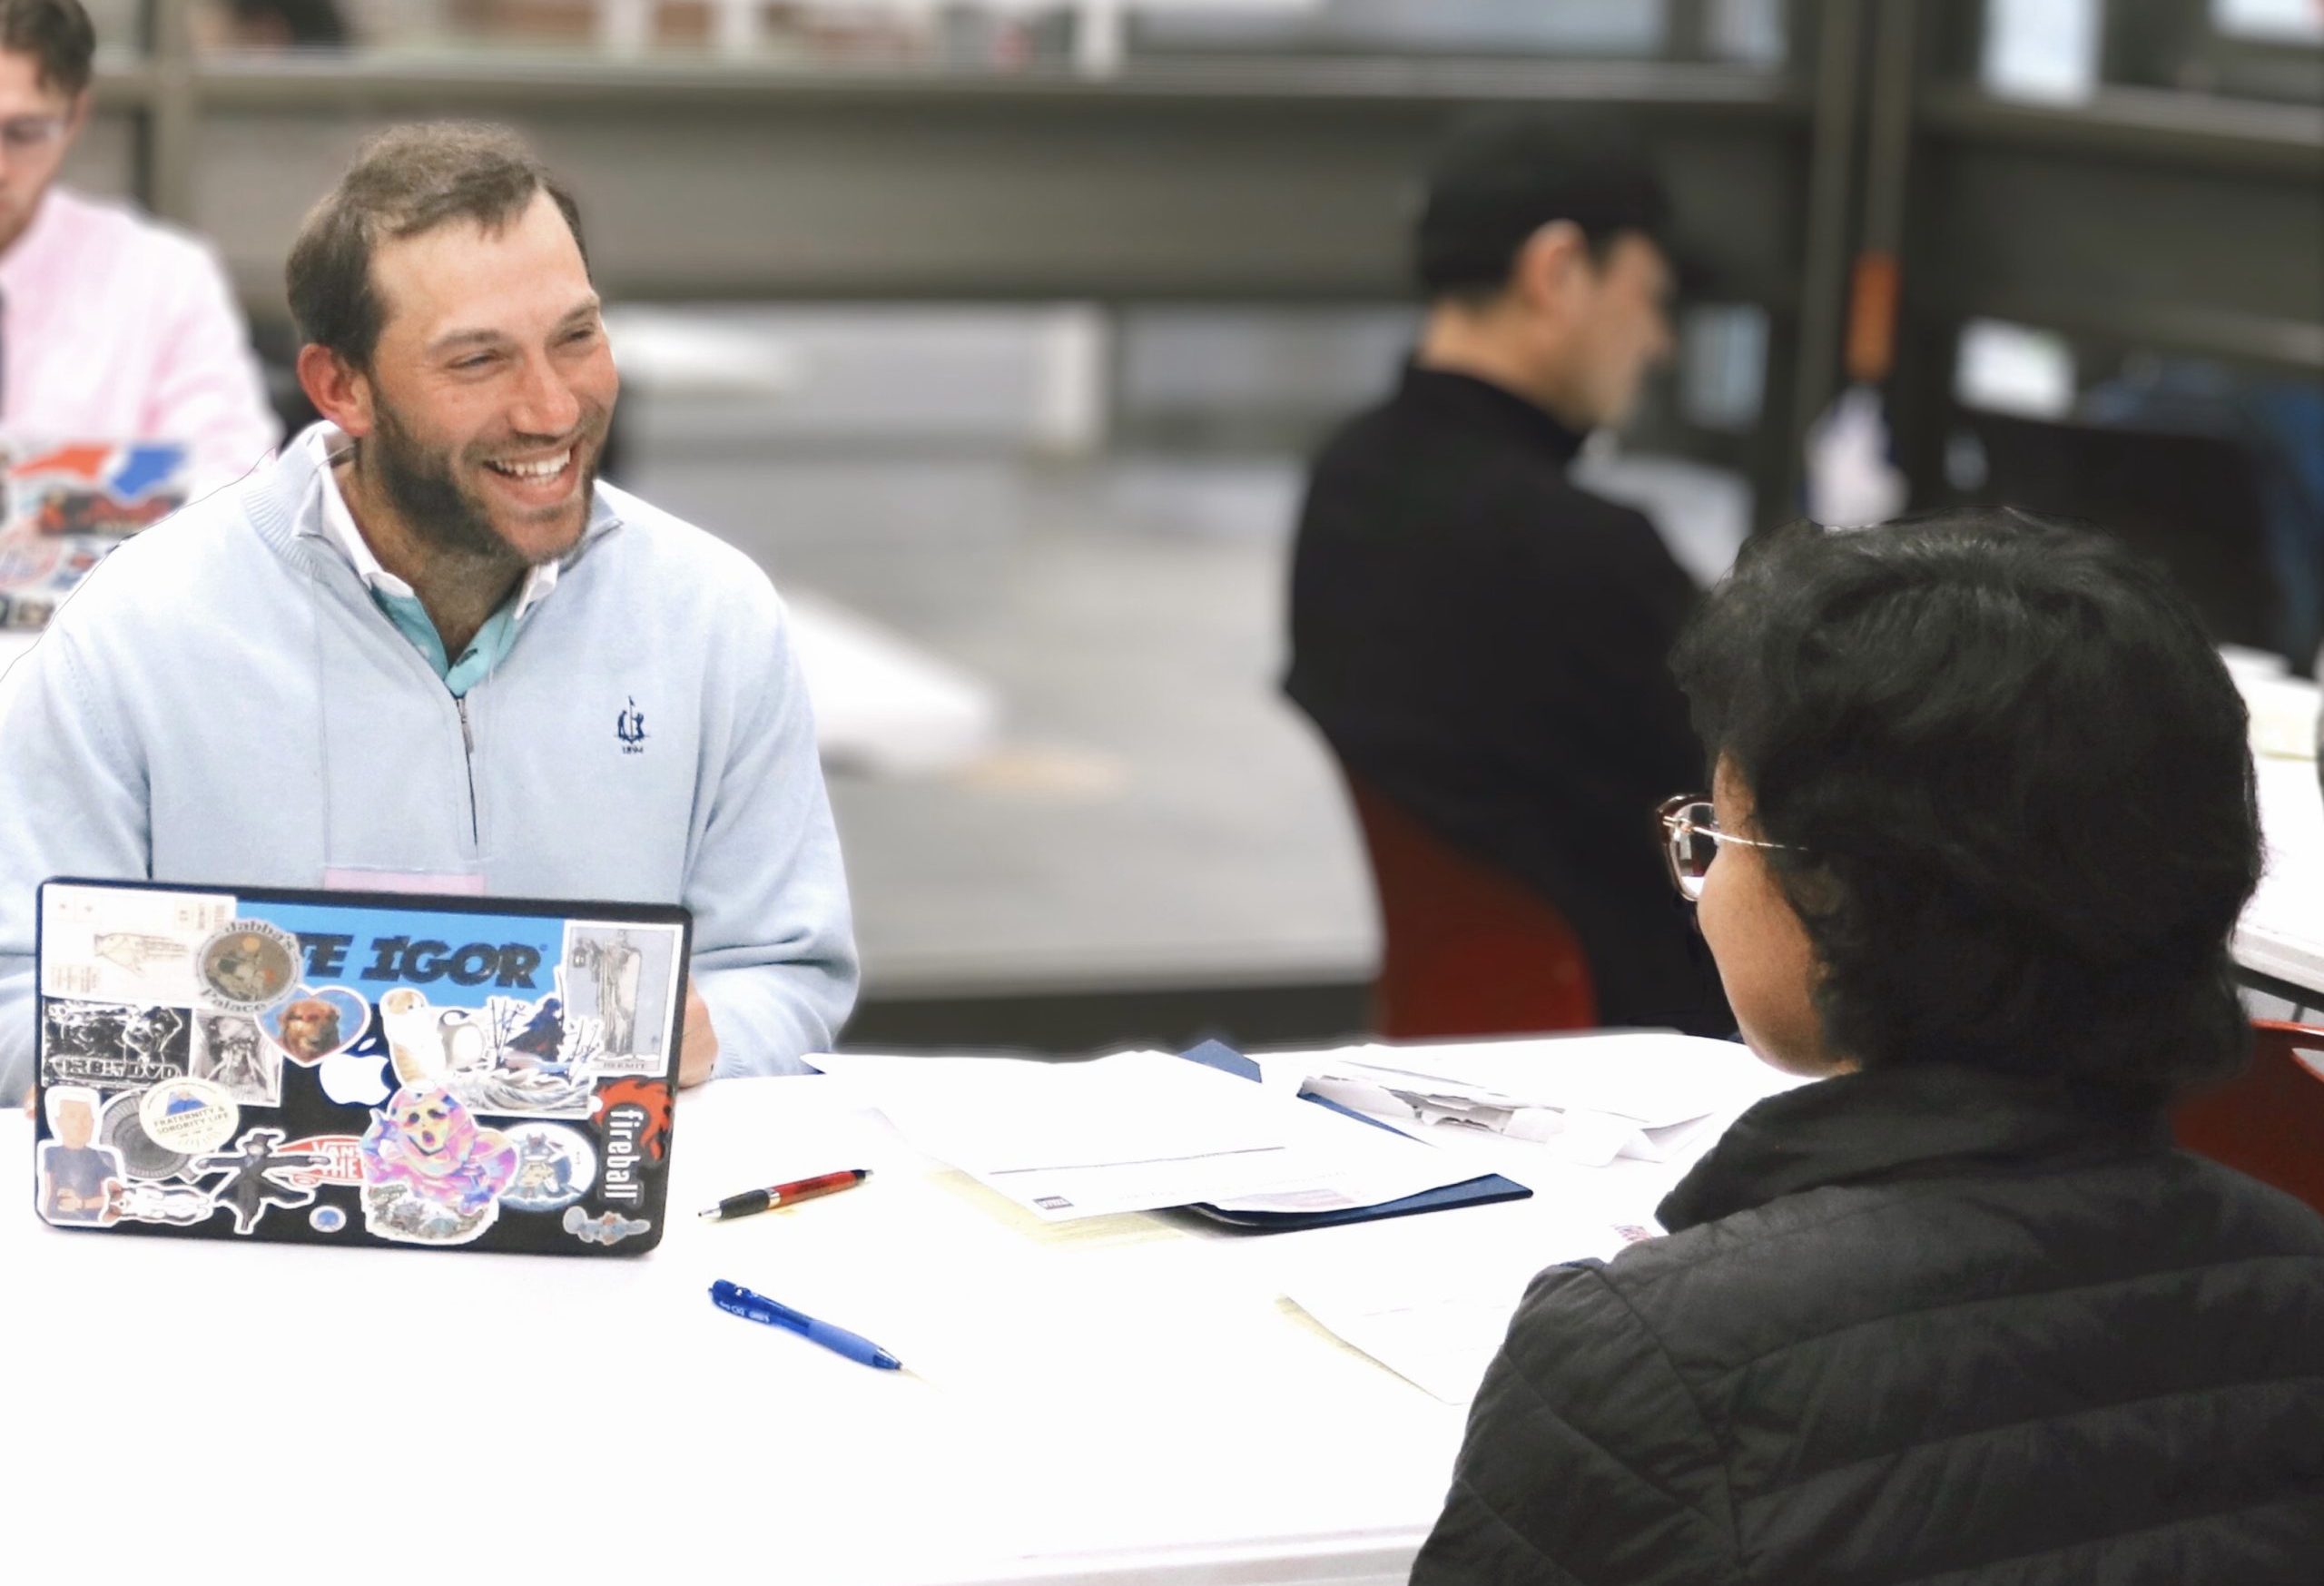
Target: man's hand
<point x="698" y="1051"/>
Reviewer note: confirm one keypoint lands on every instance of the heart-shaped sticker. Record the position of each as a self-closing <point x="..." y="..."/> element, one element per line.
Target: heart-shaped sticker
<point x="315" y="1022"/>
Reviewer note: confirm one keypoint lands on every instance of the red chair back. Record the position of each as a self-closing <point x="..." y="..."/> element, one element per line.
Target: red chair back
<point x="2268" y="1120"/>
<point x="1465" y="950"/>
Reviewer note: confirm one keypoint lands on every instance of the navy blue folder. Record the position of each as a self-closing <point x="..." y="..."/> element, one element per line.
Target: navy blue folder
<point x="1483" y="1191"/>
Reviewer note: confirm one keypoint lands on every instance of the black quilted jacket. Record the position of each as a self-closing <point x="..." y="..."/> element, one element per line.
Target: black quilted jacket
<point x="1923" y="1326"/>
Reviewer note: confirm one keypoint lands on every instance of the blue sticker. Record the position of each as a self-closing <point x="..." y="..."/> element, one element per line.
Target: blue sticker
<point x="327" y="1219"/>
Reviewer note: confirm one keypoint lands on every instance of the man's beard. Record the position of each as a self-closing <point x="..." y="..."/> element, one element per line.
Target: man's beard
<point x="420" y="486"/>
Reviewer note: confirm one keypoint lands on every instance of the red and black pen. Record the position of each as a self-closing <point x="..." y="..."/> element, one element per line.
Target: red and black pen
<point x="759" y="1200"/>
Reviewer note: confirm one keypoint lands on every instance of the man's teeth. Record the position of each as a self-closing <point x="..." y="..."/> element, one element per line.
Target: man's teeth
<point x="546" y="469"/>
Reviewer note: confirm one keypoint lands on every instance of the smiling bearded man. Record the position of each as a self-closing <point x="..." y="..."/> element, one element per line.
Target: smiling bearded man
<point x="400" y="655"/>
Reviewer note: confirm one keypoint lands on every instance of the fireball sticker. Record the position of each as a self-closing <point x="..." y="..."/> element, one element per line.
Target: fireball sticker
<point x="633" y="1115"/>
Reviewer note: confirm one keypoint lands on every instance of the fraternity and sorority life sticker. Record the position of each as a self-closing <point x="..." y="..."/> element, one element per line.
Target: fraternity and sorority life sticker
<point x="248" y="967"/>
<point x="191" y="1116"/>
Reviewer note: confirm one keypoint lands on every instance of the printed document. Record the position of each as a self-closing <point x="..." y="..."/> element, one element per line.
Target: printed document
<point x="1139" y="1131"/>
<point x="1590" y="1099"/>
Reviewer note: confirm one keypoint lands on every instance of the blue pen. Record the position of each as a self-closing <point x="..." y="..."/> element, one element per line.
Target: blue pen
<point x="757" y="1307"/>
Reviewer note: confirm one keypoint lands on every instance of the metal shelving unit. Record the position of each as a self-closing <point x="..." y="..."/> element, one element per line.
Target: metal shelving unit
<point x="2143" y="217"/>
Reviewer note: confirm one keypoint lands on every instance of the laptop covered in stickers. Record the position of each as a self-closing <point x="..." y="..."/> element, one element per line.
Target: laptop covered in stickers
<point x="356" y="1068"/>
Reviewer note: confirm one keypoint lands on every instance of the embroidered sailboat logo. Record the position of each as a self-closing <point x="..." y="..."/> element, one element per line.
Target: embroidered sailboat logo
<point x="630" y="728"/>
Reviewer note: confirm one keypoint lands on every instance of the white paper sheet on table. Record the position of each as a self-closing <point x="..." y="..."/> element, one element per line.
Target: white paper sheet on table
<point x="1438" y="1332"/>
<point x="1139" y="1131"/>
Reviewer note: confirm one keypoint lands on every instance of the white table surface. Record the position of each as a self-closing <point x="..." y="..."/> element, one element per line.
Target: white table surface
<point x="1127" y="1399"/>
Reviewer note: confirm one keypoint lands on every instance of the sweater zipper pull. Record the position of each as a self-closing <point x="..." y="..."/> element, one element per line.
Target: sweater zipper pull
<point x="468" y="750"/>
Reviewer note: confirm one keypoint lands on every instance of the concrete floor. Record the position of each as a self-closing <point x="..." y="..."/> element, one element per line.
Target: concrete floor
<point x="1155" y="817"/>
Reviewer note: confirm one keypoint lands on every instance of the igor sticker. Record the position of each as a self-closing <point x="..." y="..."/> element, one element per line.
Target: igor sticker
<point x="431" y="1175"/>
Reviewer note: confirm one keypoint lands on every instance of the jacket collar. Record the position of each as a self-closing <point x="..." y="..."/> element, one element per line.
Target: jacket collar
<point x="1925" y="1122"/>
<point x="1476" y="402"/>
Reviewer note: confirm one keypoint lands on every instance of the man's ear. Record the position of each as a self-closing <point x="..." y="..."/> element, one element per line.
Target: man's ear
<point x="339" y="391"/>
<point x="1551" y="266"/>
<point x="77" y="116"/>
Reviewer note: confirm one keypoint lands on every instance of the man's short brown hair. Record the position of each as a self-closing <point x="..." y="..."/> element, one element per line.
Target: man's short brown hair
<point x="405" y="183"/>
<point x="57" y="33"/>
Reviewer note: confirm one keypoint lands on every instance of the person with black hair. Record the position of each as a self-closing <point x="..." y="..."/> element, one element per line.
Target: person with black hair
<point x="1482" y="642"/>
<point x="1983" y="820"/>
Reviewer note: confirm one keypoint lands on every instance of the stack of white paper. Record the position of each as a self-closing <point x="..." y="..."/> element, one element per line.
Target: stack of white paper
<point x="1139" y="1131"/>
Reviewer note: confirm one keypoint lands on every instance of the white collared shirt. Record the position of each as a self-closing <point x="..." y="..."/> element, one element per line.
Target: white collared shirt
<point x="329" y="442"/>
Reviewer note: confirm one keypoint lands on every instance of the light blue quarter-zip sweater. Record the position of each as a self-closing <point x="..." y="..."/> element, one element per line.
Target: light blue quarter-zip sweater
<point x="222" y="702"/>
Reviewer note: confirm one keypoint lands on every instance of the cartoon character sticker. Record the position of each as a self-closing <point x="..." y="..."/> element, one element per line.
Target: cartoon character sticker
<point x="229" y="1054"/>
<point x="111" y="1046"/>
<point x="316" y="1023"/>
<point x="255" y="1176"/>
<point x="179" y="1205"/>
<point x="431" y="1175"/>
<point x="509" y="1056"/>
<point x="606" y="1228"/>
<point x="80" y="1183"/>
<point x="555" y="1167"/>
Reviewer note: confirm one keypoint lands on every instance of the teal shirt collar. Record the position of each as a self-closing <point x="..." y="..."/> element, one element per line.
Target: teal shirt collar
<point x="474" y="664"/>
<point x="327" y="512"/>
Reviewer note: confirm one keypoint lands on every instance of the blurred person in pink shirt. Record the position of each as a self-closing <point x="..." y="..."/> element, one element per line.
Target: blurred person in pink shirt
<point x="112" y="327"/>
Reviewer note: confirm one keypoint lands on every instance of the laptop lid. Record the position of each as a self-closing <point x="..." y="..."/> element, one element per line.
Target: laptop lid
<point x="356" y="1068"/>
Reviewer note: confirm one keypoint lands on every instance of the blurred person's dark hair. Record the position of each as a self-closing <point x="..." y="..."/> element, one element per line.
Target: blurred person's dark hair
<point x="292" y="24"/>
<point x="57" y="34"/>
<point x="1501" y="178"/>
<point x="405" y="183"/>
<point x="2010" y="776"/>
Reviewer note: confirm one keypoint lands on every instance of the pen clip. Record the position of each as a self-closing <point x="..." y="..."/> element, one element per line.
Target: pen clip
<point x="735" y="1298"/>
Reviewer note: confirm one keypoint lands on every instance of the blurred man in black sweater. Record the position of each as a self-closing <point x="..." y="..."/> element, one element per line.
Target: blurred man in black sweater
<point x="1483" y="642"/>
